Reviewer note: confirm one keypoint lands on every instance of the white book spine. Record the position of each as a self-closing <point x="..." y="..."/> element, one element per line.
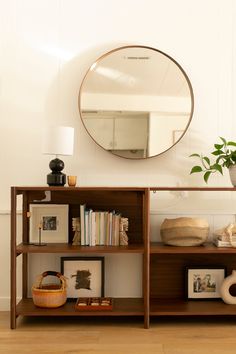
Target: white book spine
<point x="93" y="229"/>
<point x="82" y="225"/>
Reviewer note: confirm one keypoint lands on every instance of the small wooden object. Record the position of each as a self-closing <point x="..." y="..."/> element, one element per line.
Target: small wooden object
<point x="94" y="304"/>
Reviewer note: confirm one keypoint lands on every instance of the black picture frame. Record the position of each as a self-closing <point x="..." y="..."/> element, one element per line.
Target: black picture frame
<point x="204" y="282"/>
<point x="85" y="276"/>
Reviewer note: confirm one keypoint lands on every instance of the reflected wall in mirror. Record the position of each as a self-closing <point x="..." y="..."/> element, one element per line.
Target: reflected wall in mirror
<point x="133" y="99"/>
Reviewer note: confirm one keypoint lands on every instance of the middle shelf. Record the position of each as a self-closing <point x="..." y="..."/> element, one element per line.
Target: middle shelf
<point x="155" y="248"/>
<point x="68" y="248"/>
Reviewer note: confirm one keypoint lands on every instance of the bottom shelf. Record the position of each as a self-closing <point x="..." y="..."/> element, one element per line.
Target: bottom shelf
<point x="121" y="307"/>
<point x="134" y="307"/>
<point x="170" y="307"/>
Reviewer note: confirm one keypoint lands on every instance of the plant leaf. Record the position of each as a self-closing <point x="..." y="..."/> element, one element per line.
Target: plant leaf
<point x="197" y="155"/>
<point x="218" y="146"/>
<point x="218" y="168"/>
<point x="219" y="158"/>
<point x="223" y="139"/>
<point x="206" y="176"/>
<point x="207" y="160"/>
<point x="196" y="169"/>
<point x="217" y="152"/>
<point x="231" y="143"/>
<point x="233" y="157"/>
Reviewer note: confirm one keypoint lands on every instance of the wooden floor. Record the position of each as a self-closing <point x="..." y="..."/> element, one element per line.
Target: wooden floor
<point x="117" y="335"/>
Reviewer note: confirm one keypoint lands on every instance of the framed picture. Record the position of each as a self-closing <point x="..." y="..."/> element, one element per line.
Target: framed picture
<point x="52" y="220"/>
<point x="204" y="283"/>
<point x="85" y="276"/>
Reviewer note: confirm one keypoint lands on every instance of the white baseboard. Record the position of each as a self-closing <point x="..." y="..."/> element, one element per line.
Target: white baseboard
<point x="4" y="304"/>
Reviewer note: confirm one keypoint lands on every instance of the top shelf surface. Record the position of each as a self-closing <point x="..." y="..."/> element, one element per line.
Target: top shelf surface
<point x="21" y="189"/>
<point x="187" y="188"/>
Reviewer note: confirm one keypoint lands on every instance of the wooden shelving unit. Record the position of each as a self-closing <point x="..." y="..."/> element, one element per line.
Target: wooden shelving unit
<point x="168" y="282"/>
<point x="163" y="266"/>
<point x="130" y="202"/>
<point x="168" y="272"/>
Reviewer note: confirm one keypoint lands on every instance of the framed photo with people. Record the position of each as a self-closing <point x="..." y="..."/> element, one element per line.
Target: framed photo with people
<point x="204" y="282"/>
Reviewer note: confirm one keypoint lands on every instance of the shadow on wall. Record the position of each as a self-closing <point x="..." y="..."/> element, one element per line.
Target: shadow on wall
<point x="64" y="91"/>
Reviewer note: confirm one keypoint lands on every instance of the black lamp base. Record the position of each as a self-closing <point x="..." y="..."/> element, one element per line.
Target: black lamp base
<point x="56" y="177"/>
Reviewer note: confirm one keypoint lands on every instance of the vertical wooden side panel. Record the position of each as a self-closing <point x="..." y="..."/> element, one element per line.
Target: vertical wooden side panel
<point x="25" y="239"/>
<point x="146" y="258"/>
<point x="13" y="257"/>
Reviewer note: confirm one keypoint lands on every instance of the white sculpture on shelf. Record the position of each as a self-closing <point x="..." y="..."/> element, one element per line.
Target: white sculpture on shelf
<point x="225" y="286"/>
<point x="76" y="228"/>
<point x="124" y="225"/>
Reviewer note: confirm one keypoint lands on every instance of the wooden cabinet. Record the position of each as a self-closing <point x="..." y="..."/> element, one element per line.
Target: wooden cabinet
<point x="163" y="268"/>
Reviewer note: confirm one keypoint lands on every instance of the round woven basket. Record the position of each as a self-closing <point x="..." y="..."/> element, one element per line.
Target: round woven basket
<point x="184" y="231"/>
<point x="49" y="295"/>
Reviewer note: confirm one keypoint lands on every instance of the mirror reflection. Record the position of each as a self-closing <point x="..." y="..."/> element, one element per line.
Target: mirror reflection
<point x="136" y="102"/>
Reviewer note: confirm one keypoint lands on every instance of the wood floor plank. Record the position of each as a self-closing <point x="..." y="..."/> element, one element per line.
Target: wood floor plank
<point x="117" y="336"/>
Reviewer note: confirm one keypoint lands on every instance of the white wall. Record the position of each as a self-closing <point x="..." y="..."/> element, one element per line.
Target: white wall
<point x="46" y="48"/>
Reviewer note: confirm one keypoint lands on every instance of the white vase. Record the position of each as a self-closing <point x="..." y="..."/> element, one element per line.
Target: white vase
<point x="225" y="286"/>
<point x="232" y="174"/>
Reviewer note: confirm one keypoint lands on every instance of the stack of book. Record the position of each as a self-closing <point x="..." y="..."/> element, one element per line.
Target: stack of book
<point x="99" y="227"/>
<point x="219" y="243"/>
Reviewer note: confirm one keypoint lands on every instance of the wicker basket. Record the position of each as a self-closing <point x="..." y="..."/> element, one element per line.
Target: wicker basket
<point x="49" y="295"/>
<point x="184" y="231"/>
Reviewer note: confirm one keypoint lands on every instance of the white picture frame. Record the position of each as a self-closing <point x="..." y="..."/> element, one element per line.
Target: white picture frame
<point x="53" y="220"/>
<point x="84" y="276"/>
<point x="204" y="283"/>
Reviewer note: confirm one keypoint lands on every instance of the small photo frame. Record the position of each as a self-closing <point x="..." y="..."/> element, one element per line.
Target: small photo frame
<point x="85" y="276"/>
<point x="52" y="219"/>
<point x="204" y="283"/>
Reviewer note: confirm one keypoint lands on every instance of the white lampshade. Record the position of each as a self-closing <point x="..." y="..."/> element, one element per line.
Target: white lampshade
<point x="58" y="141"/>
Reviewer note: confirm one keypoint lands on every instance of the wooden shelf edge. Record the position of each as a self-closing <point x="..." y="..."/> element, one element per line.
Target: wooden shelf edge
<point x="171" y="307"/>
<point x="68" y="248"/>
<point x="159" y="247"/>
<point x="21" y="189"/>
<point x="121" y="307"/>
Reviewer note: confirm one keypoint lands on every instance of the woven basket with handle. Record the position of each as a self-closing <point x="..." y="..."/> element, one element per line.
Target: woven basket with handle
<point x="49" y="295"/>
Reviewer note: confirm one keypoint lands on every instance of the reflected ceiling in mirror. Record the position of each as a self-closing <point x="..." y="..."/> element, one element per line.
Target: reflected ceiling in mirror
<point x="136" y="102"/>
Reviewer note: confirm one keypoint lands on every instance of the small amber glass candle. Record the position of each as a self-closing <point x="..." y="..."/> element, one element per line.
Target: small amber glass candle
<point x="71" y="181"/>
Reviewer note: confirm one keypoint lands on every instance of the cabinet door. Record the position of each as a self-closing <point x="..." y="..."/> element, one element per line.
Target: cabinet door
<point x="102" y="130"/>
<point x="130" y="133"/>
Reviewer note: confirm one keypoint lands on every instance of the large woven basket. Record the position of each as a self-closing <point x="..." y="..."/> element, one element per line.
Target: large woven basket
<point x="49" y="295"/>
<point x="184" y="231"/>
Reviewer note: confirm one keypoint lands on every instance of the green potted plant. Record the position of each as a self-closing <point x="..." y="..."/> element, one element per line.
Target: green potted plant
<point x="224" y="157"/>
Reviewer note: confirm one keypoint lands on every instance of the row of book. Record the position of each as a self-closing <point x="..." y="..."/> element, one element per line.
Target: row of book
<point x="99" y="227"/>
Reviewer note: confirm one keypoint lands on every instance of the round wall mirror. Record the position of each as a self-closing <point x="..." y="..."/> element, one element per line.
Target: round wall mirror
<point x="136" y="102"/>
